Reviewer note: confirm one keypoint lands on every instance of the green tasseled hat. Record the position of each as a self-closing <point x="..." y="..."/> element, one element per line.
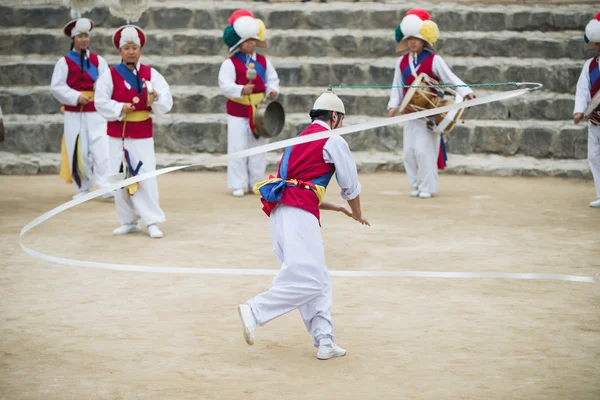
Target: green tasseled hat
<point x="230" y="37"/>
<point x="399" y="34"/>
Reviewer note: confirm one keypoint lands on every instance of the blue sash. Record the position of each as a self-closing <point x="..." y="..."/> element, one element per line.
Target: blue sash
<point x="132" y="171"/>
<point x="273" y="192"/>
<point x="129" y="76"/>
<point x="260" y="70"/>
<point x="88" y="67"/>
<point x="443" y="150"/>
<point x="406" y="72"/>
<point x="594" y="75"/>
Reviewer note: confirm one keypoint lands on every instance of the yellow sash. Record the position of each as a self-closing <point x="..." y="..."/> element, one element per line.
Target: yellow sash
<point x="88" y="93"/>
<point x="65" y="172"/>
<point x="137" y="116"/>
<point x="253" y="99"/>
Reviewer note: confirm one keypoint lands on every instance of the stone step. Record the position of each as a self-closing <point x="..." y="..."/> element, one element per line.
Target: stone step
<point x="557" y="75"/>
<point x="185" y="133"/>
<point x="538" y="105"/>
<point x="366" y="162"/>
<point x="214" y="15"/>
<point x="309" y="43"/>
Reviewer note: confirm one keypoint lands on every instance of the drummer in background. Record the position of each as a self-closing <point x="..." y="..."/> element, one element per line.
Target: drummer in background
<point x="242" y="36"/>
<point x="424" y="150"/>
<point x="588" y="87"/>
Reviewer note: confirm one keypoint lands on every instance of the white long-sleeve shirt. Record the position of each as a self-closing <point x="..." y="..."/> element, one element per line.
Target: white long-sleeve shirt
<point x="227" y="77"/>
<point x="440" y="69"/>
<point x="113" y="110"/>
<point x="582" y="95"/>
<point x="337" y="152"/>
<point x="62" y="92"/>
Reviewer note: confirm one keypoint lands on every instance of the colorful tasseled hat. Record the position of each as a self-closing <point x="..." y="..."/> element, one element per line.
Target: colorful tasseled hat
<point x="243" y="26"/>
<point x="592" y="33"/>
<point x="417" y="23"/>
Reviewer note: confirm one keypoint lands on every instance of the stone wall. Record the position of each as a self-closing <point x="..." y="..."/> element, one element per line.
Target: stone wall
<point x="312" y="46"/>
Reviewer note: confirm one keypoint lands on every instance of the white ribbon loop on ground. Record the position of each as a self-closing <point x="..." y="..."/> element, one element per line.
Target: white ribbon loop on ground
<point x="277" y="146"/>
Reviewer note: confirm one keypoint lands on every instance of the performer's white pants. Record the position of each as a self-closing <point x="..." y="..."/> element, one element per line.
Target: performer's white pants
<point x="303" y="281"/>
<point x="91" y="128"/>
<point x="594" y="154"/>
<point x="247" y="172"/>
<point x="421" y="151"/>
<point x="144" y="203"/>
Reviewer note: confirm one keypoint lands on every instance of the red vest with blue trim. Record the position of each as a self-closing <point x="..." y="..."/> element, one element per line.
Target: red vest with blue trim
<point x="424" y="65"/>
<point x="240" y="110"/>
<point x="81" y="81"/>
<point x="594" y="77"/>
<point x="304" y="163"/>
<point x="122" y="94"/>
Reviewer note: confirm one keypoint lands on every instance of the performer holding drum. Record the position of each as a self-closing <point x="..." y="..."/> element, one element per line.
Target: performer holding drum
<point x="245" y="78"/>
<point x="424" y="151"/>
<point x="587" y="101"/>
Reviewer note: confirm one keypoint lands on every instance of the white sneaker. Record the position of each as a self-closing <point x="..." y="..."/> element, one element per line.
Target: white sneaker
<point x="414" y="193"/>
<point x="127" y="229"/>
<point x="108" y="195"/>
<point x="248" y="322"/>
<point x="327" y="351"/>
<point x="154" y="232"/>
<point x="424" y="195"/>
<point x="82" y="193"/>
<point x="238" y="193"/>
<point x="595" y="204"/>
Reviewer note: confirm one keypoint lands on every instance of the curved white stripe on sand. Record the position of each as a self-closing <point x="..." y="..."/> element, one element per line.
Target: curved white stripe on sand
<point x="222" y="271"/>
<point x="276" y="146"/>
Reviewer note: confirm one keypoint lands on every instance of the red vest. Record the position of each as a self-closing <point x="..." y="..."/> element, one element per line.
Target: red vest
<point x="81" y="81"/>
<point x="306" y="164"/>
<point x="135" y="130"/>
<point x="240" y="110"/>
<point x="594" y="72"/>
<point x="425" y="66"/>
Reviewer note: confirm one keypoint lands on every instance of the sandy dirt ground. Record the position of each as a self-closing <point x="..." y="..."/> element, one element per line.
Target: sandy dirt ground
<point x="77" y="333"/>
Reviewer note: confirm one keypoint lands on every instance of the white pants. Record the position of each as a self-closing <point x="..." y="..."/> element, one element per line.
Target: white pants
<point x="247" y="172"/>
<point x="91" y="129"/>
<point x="421" y="151"/>
<point x="144" y="203"/>
<point x="594" y="154"/>
<point x="303" y="281"/>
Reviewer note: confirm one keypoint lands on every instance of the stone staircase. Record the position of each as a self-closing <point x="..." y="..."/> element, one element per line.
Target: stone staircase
<point x="482" y="44"/>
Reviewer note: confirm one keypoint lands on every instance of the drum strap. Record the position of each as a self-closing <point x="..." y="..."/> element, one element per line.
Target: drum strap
<point x="416" y="62"/>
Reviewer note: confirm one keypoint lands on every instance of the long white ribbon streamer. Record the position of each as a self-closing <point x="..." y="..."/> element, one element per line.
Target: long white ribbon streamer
<point x="276" y="146"/>
<point x="224" y="271"/>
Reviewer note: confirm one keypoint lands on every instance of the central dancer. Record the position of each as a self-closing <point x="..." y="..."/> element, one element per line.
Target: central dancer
<point x="292" y="200"/>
